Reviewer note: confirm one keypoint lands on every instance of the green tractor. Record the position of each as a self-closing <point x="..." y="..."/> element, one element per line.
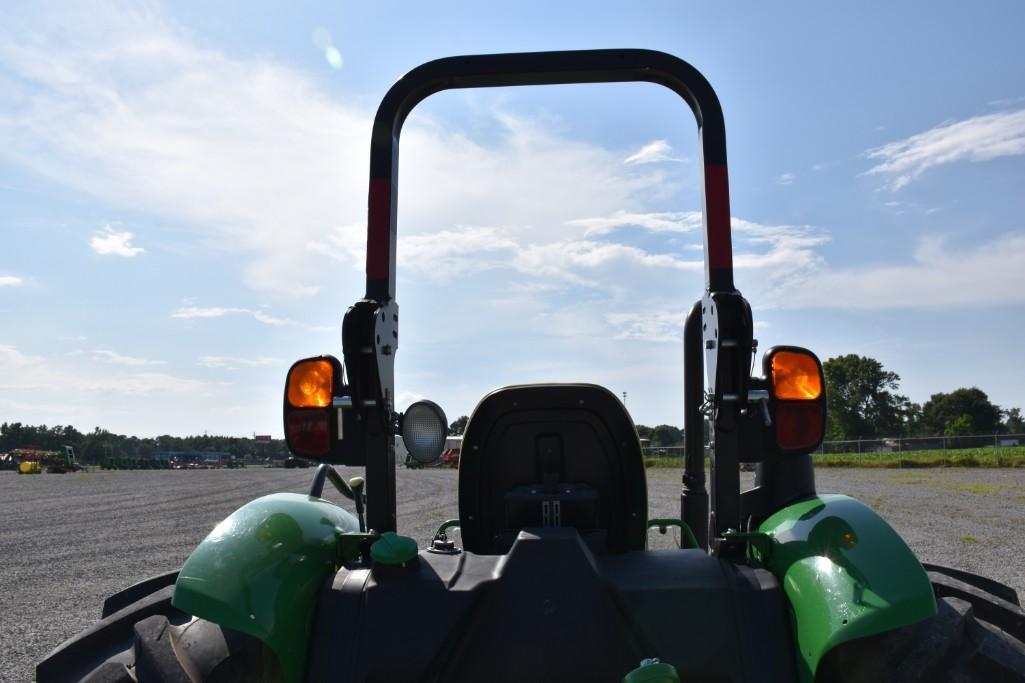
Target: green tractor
<point x="551" y="578"/>
<point x="62" y="462"/>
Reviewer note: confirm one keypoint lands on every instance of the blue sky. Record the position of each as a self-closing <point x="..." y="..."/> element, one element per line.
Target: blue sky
<point x="183" y="199"/>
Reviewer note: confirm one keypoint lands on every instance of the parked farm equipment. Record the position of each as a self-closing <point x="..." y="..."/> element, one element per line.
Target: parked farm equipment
<point x="136" y="464"/>
<point x="36" y="461"/>
<point x="553" y="580"/>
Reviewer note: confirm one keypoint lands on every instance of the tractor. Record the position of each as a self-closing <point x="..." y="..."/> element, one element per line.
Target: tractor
<point x="62" y="462"/>
<point x="550" y="577"/>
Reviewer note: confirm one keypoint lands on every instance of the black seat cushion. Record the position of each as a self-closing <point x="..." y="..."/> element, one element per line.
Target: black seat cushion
<point x="551" y="455"/>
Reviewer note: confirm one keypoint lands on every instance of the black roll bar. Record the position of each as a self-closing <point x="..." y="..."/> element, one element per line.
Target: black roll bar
<point x="552" y="68"/>
<point x="546" y="68"/>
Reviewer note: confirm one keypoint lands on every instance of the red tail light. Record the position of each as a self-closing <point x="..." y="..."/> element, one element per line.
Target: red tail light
<point x="308" y="432"/>
<point x="799" y="425"/>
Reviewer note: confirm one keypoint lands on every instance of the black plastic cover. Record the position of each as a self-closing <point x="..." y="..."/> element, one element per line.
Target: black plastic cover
<point x="551" y="610"/>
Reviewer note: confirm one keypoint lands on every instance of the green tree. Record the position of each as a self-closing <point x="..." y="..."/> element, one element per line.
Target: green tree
<point x="942" y="410"/>
<point x="459" y="426"/>
<point x="666" y="435"/>
<point x="1013" y="421"/>
<point x="643" y="432"/>
<point x="913" y="419"/>
<point x="861" y="399"/>
<point x="960" y="426"/>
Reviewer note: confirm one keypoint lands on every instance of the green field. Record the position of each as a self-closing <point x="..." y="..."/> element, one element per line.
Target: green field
<point x="968" y="457"/>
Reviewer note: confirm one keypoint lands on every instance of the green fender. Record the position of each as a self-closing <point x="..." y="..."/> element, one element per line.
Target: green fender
<point x="259" y="571"/>
<point x="846" y="572"/>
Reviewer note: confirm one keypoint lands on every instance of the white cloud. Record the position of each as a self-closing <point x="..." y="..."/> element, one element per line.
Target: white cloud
<point x="207" y="312"/>
<point x="655" y="326"/>
<point x="109" y="241"/>
<point x="123" y="105"/>
<point x="665" y="221"/>
<point x="233" y="363"/>
<point x="648" y="326"/>
<point x="940" y="276"/>
<point x="975" y="139"/>
<point x="531" y="179"/>
<point x="116" y="358"/>
<point x="578" y="261"/>
<point x="119" y="104"/>
<point x="767" y="258"/>
<point x="405" y="398"/>
<point x="271" y="320"/>
<point x="462" y="251"/>
<point x="10" y="281"/>
<point x="188" y="312"/>
<point x="655" y="151"/>
<point x="20" y="372"/>
<point x="451" y="253"/>
<point x="786" y="179"/>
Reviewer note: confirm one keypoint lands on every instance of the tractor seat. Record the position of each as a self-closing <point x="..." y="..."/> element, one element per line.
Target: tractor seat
<point x="552" y="455"/>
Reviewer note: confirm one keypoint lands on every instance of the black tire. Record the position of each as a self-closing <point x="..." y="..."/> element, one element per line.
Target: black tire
<point x="977" y="636"/>
<point x="150" y="640"/>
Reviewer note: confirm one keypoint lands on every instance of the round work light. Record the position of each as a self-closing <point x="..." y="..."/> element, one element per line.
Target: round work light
<point x="424" y="429"/>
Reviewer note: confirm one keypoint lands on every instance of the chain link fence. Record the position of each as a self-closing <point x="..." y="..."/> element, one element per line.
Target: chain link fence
<point x="896" y="444"/>
<point x="662" y="451"/>
<point x="907" y="444"/>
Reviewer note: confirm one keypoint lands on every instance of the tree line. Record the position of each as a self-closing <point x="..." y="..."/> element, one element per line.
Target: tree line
<point x="864" y="402"/>
<point x="863" y="398"/>
<point x="100" y="444"/>
<point x="659" y="435"/>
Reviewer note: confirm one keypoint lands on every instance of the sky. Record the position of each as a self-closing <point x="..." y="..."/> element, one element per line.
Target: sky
<point x="183" y="200"/>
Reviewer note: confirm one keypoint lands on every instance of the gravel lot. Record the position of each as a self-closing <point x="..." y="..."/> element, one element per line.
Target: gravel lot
<point x="68" y="541"/>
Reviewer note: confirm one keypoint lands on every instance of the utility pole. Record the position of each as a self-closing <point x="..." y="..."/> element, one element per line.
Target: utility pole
<point x="624" y="399"/>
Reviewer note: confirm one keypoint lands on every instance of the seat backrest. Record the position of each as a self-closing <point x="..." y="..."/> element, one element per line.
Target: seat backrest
<point x="552" y="455"/>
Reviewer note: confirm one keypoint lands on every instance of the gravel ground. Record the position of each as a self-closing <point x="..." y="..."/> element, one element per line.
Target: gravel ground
<point x="68" y="541"/>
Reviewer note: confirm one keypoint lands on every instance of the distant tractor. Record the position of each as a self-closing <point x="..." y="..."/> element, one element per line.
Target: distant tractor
<point x="59" y="463"/>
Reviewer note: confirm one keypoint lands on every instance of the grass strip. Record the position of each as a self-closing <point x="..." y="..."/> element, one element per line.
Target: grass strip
<point x="1013" y="456"/>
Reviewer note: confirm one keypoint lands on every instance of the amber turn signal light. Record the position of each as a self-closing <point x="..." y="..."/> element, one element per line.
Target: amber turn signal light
<point x="797" y="399"/>
<point x="796" y="376"/>
<point x="311" y="384"/>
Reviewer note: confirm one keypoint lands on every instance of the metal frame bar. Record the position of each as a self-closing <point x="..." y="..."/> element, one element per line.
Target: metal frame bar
<point x="545" y="68"/>
<point x="694" y="494"/>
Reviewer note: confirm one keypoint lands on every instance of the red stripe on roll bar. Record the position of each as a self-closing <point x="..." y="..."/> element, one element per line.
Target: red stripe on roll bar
<point x="717" y="217"/>
<point x="379" y="229"/>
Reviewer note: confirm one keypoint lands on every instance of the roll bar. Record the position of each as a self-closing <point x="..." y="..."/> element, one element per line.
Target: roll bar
<point x="719" y="326"/>
<point x="546" y="68"/>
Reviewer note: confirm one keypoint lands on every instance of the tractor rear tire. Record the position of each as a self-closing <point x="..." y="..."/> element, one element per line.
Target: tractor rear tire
<point x="151" y="641"/>
<point x="977" y="636"/>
